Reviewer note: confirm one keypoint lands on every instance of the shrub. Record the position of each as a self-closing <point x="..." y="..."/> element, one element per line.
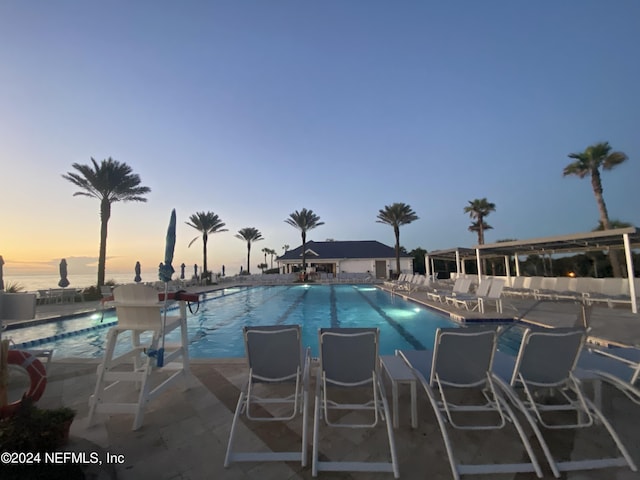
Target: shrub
<point x="32" y="429"/>
<point x="13" y="287"/>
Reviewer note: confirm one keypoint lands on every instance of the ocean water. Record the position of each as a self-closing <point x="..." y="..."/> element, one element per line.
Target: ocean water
<point x="32" y="283"/>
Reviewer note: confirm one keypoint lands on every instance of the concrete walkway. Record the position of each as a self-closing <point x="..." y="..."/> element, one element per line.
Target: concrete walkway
<point x="608" y="326"/>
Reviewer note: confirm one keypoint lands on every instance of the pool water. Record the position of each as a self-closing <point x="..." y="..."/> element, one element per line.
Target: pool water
<point x="215" y="330"/>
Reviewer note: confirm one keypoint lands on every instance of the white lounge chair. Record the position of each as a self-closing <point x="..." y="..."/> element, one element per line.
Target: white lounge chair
<point x="461" y="361"/>
<point x="275" y="357"/>
<point x="619" y="367"/>
<point x="413" y="284"/>
<point x="494" y="295"/>
<point x="467" y="300"/>
<point x="546" y="364"/>
<point x="461" y="286"/>
<point x="349" y="360"/>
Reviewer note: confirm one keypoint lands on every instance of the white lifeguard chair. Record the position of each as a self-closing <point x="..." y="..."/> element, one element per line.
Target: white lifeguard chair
<point x="139" y="310"/>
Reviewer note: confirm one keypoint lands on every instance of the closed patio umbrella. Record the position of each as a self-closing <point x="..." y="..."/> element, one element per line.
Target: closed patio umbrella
<point x="1" y="280"/>
<point x="195" y="271"/>
<point x="166" y="270"/>
<point x="182" y="267"/>
<point x="64" y="282"/>
<point x="137" y="278"/>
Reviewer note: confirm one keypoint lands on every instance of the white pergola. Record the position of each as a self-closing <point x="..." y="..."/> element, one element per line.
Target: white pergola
<point x="623" y="239"/>
<point x="457" y="255"/>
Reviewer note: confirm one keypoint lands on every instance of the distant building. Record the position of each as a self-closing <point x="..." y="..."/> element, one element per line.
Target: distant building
<point x="363" y="256"/>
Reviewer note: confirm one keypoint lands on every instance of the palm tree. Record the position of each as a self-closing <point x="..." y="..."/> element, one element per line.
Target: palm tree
<point x="614" y="223"/>
<point x="589" y="163"/>
<point x="249" y="234"/>
<point x="475" y="227"/>
<point x="478" y="209"/>
<point x="304" y="221"/>
<point x="268" y="251"/>
<point x="272" y="252"/>
<point x="396" y="215"/>
<point x="206" y="223"/>
<point x="110" y="181"/>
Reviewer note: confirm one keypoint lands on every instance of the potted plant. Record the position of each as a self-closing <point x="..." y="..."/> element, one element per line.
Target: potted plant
<point x="33" y="429"/>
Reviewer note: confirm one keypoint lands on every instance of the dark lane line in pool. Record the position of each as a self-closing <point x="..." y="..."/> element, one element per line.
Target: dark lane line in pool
<point x="334" y="308"/>
<point x="237" y="305"/>
<point x="230" y="320"/>
<point x="413" y="341"/>
<point x="282" y="318"/>
<point x="60" y="336"/>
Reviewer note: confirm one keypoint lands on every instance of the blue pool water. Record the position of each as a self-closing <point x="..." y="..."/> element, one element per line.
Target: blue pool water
<point x="215" y="330"/>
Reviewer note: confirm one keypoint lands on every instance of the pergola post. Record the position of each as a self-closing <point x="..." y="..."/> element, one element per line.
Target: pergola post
<point x="427" y="267"/>
<point x="458" y="270"/>
<point x="517" y="265"/>
<point x="630" y="278"/>
<point x="479" y="265"/>
<point x="507" y="266"/>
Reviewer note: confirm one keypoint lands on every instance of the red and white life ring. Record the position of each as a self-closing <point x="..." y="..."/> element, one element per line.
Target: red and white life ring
<point x="37" y="377"/>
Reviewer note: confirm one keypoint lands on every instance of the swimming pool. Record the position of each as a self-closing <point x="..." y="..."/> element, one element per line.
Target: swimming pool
<point x="215" y="330"/>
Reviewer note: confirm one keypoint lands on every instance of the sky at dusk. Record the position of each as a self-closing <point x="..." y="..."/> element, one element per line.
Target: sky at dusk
<point x="254" y="109"/>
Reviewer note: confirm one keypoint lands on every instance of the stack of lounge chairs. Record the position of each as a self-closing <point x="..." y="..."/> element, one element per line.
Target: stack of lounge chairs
<point x="609" y="291"/>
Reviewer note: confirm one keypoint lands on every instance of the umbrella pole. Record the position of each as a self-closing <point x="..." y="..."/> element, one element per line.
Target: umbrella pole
<point x="164" y="323"/>
<point x="4" y="372"/>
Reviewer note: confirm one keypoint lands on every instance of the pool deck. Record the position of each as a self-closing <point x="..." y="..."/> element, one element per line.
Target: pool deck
<point x="184" y="434"/>
<point x="608" y="326"/>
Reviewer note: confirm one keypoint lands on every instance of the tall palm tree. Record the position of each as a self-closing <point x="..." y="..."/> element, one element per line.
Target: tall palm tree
<point x="272" y="252"/>
<point x="396" y="215"/>
<point x="475" y="227"/>
<point x="206" y="223"/>
<point x="304" y="221"/>
<point x="110" y="181"/>
<point x="613" y="223"/>
<point x="249" y="235"/>
<point x="269" y="251"/>
<point x="589" y="163"/>
<point x="478" y="209"/>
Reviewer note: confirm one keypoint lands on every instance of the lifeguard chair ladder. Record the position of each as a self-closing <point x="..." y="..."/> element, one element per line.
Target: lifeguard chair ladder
<point x="139" y="311"/>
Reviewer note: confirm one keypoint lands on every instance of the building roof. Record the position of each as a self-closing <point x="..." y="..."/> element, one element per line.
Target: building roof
<point x="336" y="250"/>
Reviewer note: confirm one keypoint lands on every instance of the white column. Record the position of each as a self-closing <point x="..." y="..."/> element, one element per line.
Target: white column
<point x="427" y="266"/>
<point x="479" y="265"/>
<point x="630" y="279"/>
<point x="507" y="266"/>
<point x="458" y="269"/>
<point x="517" y="265"/>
